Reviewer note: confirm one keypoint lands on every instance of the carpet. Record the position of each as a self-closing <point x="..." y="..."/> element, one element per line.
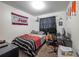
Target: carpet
<point x="46" y="51"/>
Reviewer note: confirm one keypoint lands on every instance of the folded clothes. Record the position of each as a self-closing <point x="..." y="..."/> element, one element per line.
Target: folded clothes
<point x="2" y="41"/>
<point x="3" y="45"/>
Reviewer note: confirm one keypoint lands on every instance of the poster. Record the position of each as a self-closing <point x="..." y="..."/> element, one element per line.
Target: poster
<point x="71" y="11"/>
<point x="19" y="19"/>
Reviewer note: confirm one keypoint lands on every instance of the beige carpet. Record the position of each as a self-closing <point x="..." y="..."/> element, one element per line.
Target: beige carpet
<point x="46" y="51"/>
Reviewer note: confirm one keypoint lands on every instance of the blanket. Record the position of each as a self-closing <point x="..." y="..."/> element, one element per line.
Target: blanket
<point x="28" y="43"/>
<point x="36" y="39"/>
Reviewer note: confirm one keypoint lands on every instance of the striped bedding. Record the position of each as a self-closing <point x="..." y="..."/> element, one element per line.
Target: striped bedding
<point x="36" y="39"/>
<point x="27" y="45"/>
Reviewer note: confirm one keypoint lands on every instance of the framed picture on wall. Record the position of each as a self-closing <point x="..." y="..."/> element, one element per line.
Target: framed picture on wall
<point x="60" y="23"/>
<point x="19" y="19"/>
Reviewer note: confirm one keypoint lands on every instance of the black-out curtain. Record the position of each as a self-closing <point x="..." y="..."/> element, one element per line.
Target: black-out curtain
<point x="48" y="24"/>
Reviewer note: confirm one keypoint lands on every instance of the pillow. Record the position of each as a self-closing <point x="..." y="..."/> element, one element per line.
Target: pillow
<point x="41" y="32"/>
<point x="34" y="32"/>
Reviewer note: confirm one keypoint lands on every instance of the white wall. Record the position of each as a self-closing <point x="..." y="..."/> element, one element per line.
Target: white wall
<point x="72" y="26"/>
<point x="58" y="15"/>
<point x="35" y="24"/>
<point x="8" y="31"/>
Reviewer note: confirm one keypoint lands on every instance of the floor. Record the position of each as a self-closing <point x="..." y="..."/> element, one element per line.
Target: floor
<point x="45" y="51"/>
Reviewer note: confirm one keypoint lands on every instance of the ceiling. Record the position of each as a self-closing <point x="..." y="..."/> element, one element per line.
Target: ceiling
<point x="51" y="6"/>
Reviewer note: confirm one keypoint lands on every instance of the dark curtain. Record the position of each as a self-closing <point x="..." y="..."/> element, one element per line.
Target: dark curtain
<point x="48" y="24"/>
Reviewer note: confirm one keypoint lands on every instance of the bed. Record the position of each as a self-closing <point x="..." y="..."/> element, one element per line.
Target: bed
<point x="29" y="43"/>
<point x="41" y="36"/>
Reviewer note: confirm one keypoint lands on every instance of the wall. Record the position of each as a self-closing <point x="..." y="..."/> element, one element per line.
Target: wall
<point x="8" y="31"/>
<point x="72" y="26"/>
<point x="58" y="15"/>
<point x="35" y="24"/>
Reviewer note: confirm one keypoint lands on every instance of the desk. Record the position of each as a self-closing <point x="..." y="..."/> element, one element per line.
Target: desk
<point x="9" y="51"/>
